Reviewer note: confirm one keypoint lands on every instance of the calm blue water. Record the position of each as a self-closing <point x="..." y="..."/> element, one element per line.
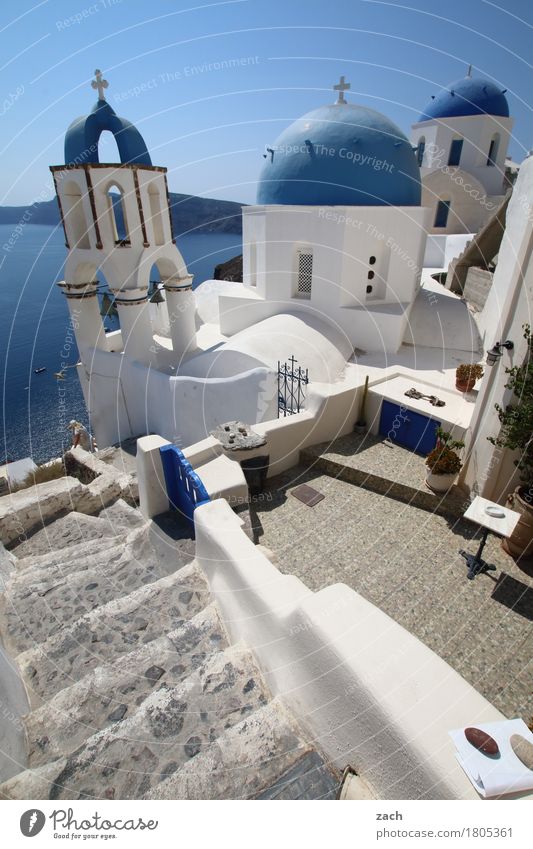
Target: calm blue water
<point x="34" y="328"/>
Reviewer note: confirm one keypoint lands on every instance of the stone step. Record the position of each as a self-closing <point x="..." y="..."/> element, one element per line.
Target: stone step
<point x="68" y="530"/>
<point x="121" y="516"/>
<point x="264" y="756"/>
<point x="171" y="727"/>
<point x="113" y="630"/>
<point x="68" y="555"/>
<point x="116" y="690"/>
<point x="37" y="607"/>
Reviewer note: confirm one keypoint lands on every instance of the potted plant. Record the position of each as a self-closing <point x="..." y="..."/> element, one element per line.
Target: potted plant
<point x="466" y="375"/>
<point x="443" y="463"/>
<point x="516" y="434"/>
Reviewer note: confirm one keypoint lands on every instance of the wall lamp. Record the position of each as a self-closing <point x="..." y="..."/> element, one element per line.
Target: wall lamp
<point x="496" y="352"/>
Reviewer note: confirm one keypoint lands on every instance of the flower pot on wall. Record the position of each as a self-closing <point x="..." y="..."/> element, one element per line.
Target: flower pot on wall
<point x="439" y="483"/>
<point x="465" y="385"/>
<point x="520" y="543"/>
<point x="466" y="376"/>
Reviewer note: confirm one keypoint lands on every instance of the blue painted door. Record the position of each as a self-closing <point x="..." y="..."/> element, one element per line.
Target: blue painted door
<point x="404" y="427"/>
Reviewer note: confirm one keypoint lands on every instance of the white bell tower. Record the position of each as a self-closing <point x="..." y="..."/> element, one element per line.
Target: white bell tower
<point x="117" y="220"/>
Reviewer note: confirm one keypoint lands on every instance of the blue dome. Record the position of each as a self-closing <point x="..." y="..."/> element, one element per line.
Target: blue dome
<point x="81" y="140"/>
<point x="469" y="96"/>
<point x="341" y="155"/>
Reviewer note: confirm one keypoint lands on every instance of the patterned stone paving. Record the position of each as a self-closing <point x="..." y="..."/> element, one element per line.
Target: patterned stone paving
<point x="378" y="464"/>
<point x="406" y="561"/>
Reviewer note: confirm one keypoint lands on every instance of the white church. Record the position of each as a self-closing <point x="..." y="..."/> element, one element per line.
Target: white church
<point x="333" y="256"/>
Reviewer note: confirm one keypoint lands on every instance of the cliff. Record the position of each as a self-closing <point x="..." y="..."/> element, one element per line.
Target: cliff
<point x="190" y="214"/>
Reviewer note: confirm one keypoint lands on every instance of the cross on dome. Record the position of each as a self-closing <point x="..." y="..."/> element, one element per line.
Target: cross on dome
<point x="100" y="84"/>
<point x="469" y="72"/>
<point x="341" y="87"/>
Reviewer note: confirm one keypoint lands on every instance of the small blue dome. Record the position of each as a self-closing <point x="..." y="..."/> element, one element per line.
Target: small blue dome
<point x="469" y="96"/>
<point x="81" y="140"/>
<point x="341" y="155"/>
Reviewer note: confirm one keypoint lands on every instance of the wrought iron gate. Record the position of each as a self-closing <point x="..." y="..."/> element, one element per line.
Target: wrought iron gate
<point x="291" y="387"/>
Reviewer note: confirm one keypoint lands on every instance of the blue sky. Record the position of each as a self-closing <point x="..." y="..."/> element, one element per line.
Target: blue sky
<point x="209" y="84"/>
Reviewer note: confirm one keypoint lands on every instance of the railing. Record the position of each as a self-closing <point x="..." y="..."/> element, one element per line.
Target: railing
<point x="185" y="490"/>
<point x="291" y="383"/>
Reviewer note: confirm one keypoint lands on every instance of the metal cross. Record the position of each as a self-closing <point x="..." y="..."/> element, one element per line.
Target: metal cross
<point x="100" y="84"/>
<point x="341" y="87"/>
<point x="469" y="72"/>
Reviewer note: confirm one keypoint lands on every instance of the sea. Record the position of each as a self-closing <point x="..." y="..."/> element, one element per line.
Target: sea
<point x="35" y="333"/>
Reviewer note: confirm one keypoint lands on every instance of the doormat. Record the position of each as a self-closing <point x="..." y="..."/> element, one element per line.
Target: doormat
<point x="307" y="495"/>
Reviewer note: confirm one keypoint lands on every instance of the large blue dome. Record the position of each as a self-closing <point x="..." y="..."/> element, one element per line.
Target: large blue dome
<point x="81" y="139"/>
<point x="341" y="155"/>
<point x="469" y="96"/>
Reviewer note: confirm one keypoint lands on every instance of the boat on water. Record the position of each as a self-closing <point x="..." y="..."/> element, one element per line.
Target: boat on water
<point x="39" y="370"/>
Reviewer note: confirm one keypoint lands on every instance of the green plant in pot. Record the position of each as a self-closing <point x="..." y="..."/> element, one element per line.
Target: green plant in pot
<point x="443" y="463"/>
<point x="516" y="434"/>
<point x="466" y="376"/>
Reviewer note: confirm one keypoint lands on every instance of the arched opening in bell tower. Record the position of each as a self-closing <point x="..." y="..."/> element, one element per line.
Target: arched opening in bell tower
<point x="117" y="215"/>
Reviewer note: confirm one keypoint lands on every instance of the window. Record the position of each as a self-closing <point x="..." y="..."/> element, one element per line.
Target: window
<point x="75" y="217"/>
<point x="455" y="152"/>
<point x="493" y="149"/>
<point x="442" y="212"/>
<point x="155" y="214"/>
<point x="117" y="216"/>
<point x="370" y="275"/>
<point x="372" y="260"/>
<point x="305" y="273"/>
<point x="420" y="150"/>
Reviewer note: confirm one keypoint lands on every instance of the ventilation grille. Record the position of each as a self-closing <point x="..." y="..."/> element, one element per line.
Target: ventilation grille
<point x="305" y="273"/>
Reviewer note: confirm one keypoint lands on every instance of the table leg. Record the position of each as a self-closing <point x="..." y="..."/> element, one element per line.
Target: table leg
<point x="475" y="562"/>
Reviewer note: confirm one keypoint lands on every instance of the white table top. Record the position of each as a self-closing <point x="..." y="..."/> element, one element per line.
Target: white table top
<point x="503" y="526"/>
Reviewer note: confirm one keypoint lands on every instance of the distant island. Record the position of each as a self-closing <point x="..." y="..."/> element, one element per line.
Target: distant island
<point x="190" y="214"/>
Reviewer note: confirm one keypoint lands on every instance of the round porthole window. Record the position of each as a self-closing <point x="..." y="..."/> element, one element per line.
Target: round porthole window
<point x="372" y="260"/>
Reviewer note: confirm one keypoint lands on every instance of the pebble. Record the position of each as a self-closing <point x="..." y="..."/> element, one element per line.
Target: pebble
<point x="523" y="749"/>
<point x="482" y="741"/>
<point x="117" y="714"/>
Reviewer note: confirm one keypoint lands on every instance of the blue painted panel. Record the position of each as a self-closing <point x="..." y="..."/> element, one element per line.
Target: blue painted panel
<point x="185" y="490"/>
<point x="409" y="429"/>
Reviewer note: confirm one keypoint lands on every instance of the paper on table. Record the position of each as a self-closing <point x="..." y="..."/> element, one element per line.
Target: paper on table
<point x="495" y="776"/>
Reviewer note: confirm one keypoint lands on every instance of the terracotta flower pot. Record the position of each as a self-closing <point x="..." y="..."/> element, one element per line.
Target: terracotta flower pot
<point x="520" y="543"/>
<point x="465" y="385"/>
<point x="439" y="483"/>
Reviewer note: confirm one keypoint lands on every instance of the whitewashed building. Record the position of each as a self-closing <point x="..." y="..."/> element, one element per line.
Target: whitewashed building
<point x="461" y="141"/>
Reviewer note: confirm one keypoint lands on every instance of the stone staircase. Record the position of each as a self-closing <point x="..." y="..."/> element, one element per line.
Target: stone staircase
<point x="135" y="691"/>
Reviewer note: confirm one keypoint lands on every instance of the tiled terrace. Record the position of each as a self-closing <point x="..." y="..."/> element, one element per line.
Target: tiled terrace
<point x="406" y="560"/>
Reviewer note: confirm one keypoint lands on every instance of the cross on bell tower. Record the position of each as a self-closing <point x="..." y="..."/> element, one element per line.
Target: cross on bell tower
<point x="100" y="84"/>
<point x="341" y="87"/>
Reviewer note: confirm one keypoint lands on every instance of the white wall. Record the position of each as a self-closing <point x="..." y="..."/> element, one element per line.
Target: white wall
<point x="127" y="399"/>
<point x="342" y="240"/>
<point x="489" y="471"/>
<point x="477" y="132"/>
<point x="440" y="250"/>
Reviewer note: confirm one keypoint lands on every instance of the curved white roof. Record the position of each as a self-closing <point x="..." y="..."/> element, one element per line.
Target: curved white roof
<point x="316" y="345"/>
